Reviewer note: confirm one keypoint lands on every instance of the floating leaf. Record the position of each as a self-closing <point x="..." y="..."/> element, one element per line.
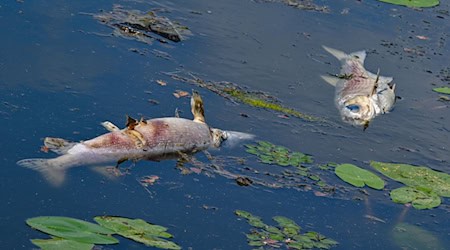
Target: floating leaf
<point x="358" y="177"/>
<point x="413" y="3"/>
<point x="72" y="229"/>
<point x="138" y="230"/>
<point x="407" y="236"/>
<point x="58" y="243"/>
<point x="419" y="199"/>
<point x="287" y="233"/>
<point x="416" y="176"/>
<point x="269" y="153"/>
<point x="442" y="90"/>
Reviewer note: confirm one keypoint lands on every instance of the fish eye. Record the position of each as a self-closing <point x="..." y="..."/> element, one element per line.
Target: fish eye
<point x="353" y="107"/>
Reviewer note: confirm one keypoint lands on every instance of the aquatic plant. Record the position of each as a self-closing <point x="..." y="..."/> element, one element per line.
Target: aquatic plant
<point x="138" y="230"/>
<point x="239" y="94"/>
<point x="72" y="229"/>
<point x="442" y="90"/>
<point x="419" y="198"/>
<point x="416" y="176"/>
<point x="413" y="3"/>
<point x="358" y="177"/>
<point x="286" y="233"/>
<point x="70" y="233"/>
<point x="273" y="154"/>
<point x="424" y="184"/>
<point x="255" y="101"/>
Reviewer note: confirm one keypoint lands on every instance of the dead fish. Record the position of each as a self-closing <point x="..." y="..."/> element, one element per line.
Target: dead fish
<point x="153" y="139"/>
<point x="360" y="95"/>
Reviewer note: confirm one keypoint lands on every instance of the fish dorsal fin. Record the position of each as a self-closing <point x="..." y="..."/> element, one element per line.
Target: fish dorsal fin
<point x="340" y="55"/>
<point x="330" y="79"/>
<point x="109" y="126"/>
<point x="381" y="79"/>
<point x="131" y="123"/>
<point x="197" y="107"/>
<point x="142" y="120"/>
<point x="58" y="145"/>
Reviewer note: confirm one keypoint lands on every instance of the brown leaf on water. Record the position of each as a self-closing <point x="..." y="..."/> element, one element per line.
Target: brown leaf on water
<point x="180" y="93"/>
<point x="161" y="82"/>
<point x="149" y="180"/>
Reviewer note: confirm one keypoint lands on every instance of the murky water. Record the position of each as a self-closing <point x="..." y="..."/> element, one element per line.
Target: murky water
<point x="62" y="73"/>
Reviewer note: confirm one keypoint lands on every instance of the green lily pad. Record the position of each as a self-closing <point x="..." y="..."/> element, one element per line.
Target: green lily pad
<point x="58" y="243"/>
<point x="72" y="229"/>
<point x="416" y="176"/>
<point x="413" y="3"/>
<point x="407" y="236"/>
<point x="419" y="199"/>
<point x="138" y="230"/>
<point x="442" y="90"/>
<point x="358" y="177"/>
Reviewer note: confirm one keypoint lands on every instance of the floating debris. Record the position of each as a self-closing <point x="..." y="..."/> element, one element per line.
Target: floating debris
<point x="142" y="26"/>
<point x="148" y="180"/>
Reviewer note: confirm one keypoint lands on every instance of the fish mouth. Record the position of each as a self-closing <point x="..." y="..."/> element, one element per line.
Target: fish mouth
<point x="358" y="110"/>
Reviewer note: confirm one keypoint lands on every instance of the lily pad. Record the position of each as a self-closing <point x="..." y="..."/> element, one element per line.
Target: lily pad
<point x="416" y="176"/>
<point x="138" y="230"/>
<point x="420" y="199"/>
<point x="413" y="3"/>
<point x="358" y="177"/>
<point x="73" y="229"/>
<point x="442" y="90"/>
<point x="58" y="243"/>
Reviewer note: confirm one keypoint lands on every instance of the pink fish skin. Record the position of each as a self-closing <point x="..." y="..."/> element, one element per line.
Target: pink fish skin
<point x="360" y="95"/>
<point x="157" y="139"/>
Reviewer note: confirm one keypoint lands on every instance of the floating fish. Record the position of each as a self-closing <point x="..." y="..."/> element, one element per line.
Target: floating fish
<point x="360" y="95"/>
<point x="153" y="139"/>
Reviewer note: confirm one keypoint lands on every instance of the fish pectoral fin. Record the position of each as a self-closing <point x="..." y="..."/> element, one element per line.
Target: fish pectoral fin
<point x="109" y="126"/>
<point x="330" y="79"/>
<point x="58" y="145"/>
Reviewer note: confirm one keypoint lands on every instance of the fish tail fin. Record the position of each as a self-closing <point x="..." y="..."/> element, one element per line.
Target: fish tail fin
<point x="330" y="79"/>
<point x="340" y="55"/>
<point x="58" y="145"/>
<point x="233" y="138"/>
<point x="54" y="174"/>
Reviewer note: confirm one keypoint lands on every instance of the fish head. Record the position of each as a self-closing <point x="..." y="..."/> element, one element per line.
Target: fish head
<point x="358" y="110"/>
<point x="386" y="98"/>
<point x="218" y="136"/>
